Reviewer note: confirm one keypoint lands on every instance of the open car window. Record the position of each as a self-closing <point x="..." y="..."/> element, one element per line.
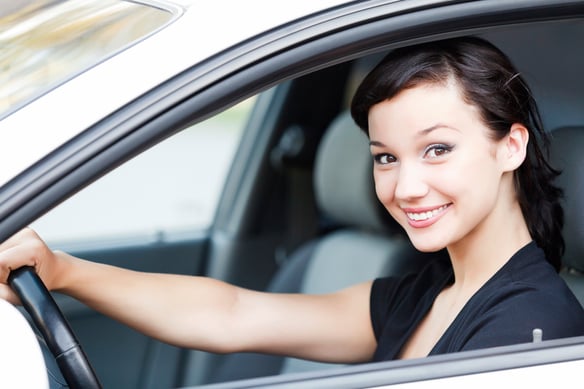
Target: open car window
<point x="172" y="189"/>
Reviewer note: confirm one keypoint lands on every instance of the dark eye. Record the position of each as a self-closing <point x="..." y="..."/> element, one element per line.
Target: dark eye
<point x="384" y="159"/>
<point x="438" y="150"/>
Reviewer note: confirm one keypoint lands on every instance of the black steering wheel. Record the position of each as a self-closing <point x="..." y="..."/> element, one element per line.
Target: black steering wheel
<point x="53" y="326"/>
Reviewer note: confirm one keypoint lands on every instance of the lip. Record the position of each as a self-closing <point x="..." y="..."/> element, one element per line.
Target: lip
<point x="432" y="215"/>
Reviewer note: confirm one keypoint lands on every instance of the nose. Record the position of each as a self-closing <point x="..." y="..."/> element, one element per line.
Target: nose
<point x="410" y="183"/>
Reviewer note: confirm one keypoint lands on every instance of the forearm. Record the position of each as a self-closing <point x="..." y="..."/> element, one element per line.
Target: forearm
<point x="206" y="314"/>
<point x="186" y="311"/>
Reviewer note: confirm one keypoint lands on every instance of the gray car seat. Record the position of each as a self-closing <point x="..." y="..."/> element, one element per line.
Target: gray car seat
<point x="566" y="152"/>
<point x="368" y="245"/>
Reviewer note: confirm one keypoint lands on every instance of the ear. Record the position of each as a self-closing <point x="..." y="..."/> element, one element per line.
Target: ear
<point x="513" y="147"/>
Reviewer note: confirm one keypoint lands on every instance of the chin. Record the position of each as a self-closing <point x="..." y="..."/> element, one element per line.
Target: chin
<point x="426" y="245"/>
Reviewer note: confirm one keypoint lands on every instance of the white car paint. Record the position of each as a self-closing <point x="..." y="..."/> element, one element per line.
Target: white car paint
<point x="200" y="30"/>
<point x="533" y="377"/>
<point x="21" y="360"/>
<point x="36" y="129"/>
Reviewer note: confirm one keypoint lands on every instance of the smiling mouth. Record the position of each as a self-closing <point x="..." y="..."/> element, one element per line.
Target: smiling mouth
<point x="426" y="215"/>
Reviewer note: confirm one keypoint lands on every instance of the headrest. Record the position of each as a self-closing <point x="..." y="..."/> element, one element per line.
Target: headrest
<point x="343" y="177"/>
<point x="566" y="155"/>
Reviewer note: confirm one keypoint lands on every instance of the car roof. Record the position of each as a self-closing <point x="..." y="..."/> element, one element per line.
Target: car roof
<point x="199" y="30"/>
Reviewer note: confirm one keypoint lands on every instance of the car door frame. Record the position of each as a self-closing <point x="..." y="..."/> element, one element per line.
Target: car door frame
<point x="316" y="42"/>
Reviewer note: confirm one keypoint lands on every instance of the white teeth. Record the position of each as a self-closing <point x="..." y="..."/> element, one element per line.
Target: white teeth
<point x="425" y="215"/>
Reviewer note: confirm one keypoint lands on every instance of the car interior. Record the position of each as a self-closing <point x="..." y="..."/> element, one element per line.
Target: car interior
<point x="383" y="250"/>
<point x="298" y="211"/>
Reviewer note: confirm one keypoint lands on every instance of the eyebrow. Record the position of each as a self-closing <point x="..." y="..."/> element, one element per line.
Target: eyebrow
<point x="423" y="132"/>
<point x="428" y="130"/>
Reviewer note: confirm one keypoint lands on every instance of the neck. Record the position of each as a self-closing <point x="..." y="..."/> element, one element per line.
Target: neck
<point x="480" y="254"/>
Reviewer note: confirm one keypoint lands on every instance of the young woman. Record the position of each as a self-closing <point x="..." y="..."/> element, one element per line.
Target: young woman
<point x="454" y="134"/>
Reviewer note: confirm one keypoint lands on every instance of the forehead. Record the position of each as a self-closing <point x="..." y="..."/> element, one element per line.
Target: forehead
<point x="420" y="108"/>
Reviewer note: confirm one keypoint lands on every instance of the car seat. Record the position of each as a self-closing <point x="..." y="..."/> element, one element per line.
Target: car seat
<point x="368" y="244"/>
<point x="566" y="155"/>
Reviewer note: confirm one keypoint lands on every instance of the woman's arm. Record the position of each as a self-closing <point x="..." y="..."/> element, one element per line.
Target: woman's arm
<point x="204" y="313"/>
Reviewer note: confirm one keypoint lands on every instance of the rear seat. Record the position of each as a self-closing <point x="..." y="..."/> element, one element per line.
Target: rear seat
<point x="369" y="245"/>
<point x="567" y="155"/>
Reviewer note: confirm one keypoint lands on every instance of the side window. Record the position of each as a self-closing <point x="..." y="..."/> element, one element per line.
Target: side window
<point x="170" y="189"/>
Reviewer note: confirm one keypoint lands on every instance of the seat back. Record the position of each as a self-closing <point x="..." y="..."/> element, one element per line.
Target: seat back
<point x="368" y="244"/>
<point x="566" y="155"/>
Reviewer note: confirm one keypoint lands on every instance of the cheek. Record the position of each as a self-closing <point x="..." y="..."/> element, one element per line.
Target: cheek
<point x="468" y="177"/>
<point x="384" y="186"/>
<point x="450" y="180"/>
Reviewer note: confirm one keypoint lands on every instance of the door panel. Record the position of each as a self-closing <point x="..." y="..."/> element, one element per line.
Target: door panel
<point x="121" y="356"/>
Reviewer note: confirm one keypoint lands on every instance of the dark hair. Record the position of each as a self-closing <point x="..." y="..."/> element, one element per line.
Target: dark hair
<point x="489" y="82"/>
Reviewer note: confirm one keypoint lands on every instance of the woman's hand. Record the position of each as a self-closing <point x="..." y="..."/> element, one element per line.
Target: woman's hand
<point x="26" y="248"/>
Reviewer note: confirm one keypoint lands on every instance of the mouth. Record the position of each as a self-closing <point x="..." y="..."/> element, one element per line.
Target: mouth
<point x="424" y="217"/>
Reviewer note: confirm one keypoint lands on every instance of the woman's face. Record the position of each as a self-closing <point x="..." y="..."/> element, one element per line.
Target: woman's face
<point x="436" y="169"/>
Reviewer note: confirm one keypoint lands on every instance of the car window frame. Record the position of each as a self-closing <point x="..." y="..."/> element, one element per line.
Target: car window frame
<point x="243" y="71"/>
<point x="466" y="363"/>
<point x="250" y="68"/>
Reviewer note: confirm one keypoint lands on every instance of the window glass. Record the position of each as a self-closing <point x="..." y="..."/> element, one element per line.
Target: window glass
<point x="170" y="189"/>
<point x="44" y="42"/>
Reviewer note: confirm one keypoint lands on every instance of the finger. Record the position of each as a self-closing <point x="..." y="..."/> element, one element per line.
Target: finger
<point x="16" y="257"/>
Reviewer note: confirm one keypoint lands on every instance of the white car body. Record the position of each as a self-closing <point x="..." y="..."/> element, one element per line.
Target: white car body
<point x="21" y="361"/>
<point x="198" y="31"/>
<point x="51" y="120"/>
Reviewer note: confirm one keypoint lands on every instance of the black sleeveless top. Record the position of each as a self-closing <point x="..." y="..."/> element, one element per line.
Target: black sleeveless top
<point x="525" y="294"/>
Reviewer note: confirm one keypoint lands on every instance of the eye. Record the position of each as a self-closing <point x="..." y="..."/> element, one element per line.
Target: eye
<point x="384" y="159"/>
<point x="437" y="150"/>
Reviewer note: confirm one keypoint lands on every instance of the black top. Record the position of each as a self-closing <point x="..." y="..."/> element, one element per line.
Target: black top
<point x="526" y="293"/>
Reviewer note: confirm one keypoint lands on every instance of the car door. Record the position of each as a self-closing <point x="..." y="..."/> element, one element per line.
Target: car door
<point x="236" y="224"/>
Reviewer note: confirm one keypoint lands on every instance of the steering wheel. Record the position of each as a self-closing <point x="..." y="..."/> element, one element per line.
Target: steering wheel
<point x="53" y="326"/>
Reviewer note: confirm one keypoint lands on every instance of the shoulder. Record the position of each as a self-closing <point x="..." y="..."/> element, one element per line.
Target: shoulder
<point x="527" y="294"/>
<point x="529" y="283"/>
<point x="513" y="318"/>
